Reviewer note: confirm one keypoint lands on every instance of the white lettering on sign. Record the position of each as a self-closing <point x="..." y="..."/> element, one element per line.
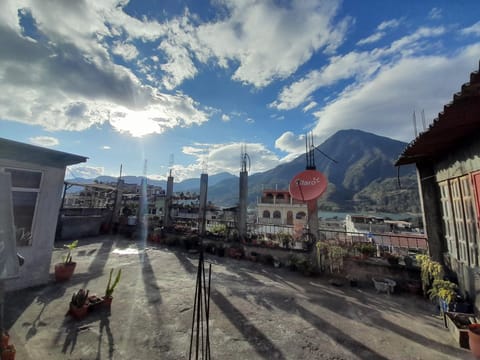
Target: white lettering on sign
<point x="312" y="182"/>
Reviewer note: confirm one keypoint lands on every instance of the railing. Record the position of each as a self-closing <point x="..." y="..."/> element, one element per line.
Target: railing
<point x="396" y="242"/>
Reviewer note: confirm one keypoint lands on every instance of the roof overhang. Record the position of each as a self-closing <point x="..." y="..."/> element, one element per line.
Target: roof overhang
<point x="17" y="151"/>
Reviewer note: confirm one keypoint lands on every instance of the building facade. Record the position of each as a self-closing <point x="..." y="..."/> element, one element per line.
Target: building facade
<point x="447" y="158"/>
<point x="37" y="176"/>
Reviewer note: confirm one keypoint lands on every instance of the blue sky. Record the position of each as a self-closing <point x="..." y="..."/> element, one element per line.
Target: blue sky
<point x="183" y="84"/>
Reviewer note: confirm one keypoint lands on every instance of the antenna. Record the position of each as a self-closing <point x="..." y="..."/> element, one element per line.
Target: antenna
<point x="205" y="161"/>
<point x="309" y="147"/>
<point x="170" y="164"/>
<point x="423" y="120"/>
<point x="415" y="124"/>
<point x="244" y="159"/>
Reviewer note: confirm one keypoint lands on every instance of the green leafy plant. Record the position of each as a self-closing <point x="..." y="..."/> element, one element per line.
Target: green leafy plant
<point x="367" y="249"/>
<point x="79" y="298"/>
<point x="443" y="289"/>
<point x="111" y="286"/>
<point x="70" y="247"/>
<point x="429" y="271"/>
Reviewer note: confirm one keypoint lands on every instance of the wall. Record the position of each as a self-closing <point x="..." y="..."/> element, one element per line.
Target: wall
<point x="36" y="269"/>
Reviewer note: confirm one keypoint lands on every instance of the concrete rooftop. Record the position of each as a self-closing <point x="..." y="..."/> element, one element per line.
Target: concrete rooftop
<point x="257" y="312"/>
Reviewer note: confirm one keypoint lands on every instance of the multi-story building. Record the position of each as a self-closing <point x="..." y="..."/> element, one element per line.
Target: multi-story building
<point x="277" y="207"/>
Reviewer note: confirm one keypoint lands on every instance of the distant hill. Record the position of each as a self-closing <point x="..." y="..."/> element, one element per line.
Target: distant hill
<point x="362" y="178"/>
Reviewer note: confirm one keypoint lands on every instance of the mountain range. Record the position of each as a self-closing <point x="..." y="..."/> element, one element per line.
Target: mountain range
<point x="359" y="167"/>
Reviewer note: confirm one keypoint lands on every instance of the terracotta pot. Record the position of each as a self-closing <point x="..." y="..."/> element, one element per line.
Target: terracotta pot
<point x="78" y="313"/>
<point x="5" y="339"/>
<point x="64" y="271"/>
<point x="107" y="301"/>
<point x="474" y="339"/>
<point x="9" y="353"/>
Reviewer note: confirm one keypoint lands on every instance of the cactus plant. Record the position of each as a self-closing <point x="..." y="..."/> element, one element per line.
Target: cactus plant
<point x="111" y="286"/>
<point x="79" y="298"/>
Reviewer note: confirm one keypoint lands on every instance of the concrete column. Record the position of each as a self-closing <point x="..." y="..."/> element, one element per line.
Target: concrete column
<point x="313" y="217"/>
<point x="167" y="221"/>
<point x="203" y="204"/>
<point x="242" y="208"/>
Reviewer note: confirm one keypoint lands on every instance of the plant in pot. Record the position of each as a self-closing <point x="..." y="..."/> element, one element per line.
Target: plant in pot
<point x="392" y="259"/>
<point x="444" y="291"/>
<point x="366" y="249"/>
<point x="79" y="304"/>
<point x="8" y="352"/>
<point x="65" y="269"/>
<point x="107" y="299"/>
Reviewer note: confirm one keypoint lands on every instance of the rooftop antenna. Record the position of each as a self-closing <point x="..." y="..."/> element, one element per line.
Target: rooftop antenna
<point x="415" y="124"/>
<point x="244" y="159"/>
<point x="205" y="161"/>
<point x="309" y="151"/>
<point x="170" y="164"/>
<point x="423" y="120"/>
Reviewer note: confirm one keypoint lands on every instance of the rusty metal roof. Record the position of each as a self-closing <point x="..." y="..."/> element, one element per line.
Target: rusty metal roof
<point x="458" y="121"/>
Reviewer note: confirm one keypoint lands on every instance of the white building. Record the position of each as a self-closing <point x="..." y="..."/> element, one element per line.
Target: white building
<point x="37" y="176"/>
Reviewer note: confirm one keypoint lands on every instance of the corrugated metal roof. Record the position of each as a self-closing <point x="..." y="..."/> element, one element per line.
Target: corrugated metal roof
<point x="18" y="151"/>
<point x="458" y="121"/>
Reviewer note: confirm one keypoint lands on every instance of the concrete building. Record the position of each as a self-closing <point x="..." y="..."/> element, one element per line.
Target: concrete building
<point x="37" y="176"/>
<point x="447" y="158"/>
<point x="277" y="207"/>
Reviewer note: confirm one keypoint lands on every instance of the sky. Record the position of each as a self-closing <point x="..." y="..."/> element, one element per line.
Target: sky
<point x="178" y="85"/>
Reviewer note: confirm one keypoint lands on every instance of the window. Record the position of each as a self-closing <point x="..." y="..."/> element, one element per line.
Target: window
<point x="25" y="189"/>
<point x="277" y="214"/>
<point x="300" y="215"/>
<point x="266" y="214"/>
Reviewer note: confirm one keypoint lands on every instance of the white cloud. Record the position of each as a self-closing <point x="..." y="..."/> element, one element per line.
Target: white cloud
<point x="249" y="121"/>
<point x="224" y="157"/>
<point x="84" y="171"/>
<point x="472" y="30"/>
<point x="359" y="66"/>
<point x="389" y="24"/>
<point x="310" y="106"/>
<point x="127" y="51"/>
<point x="292" y="33"/>
<point x="106" y="147"/>
<point x="225" y="118"/>
<point x="46" y="141"/>
<point x="372" y="38"/>
<point x="384" y="105"/>
<point x="291" y="143"/>
<point x="435" y="13"/>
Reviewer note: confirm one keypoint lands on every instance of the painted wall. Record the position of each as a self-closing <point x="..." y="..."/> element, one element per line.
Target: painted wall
<point x="36" y="269"/>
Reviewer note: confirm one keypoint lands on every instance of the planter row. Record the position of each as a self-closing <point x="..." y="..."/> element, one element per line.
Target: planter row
<point x="93" y="304"/>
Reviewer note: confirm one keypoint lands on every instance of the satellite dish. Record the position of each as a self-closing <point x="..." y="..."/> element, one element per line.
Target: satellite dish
<point x="308" y="185"/>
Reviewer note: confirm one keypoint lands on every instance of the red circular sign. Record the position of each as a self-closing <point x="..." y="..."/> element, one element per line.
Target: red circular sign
<point x="308" y="185"/>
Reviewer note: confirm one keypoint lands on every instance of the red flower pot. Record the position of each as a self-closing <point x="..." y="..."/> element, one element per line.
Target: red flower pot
<point x="9" y="353"/>
<point x="64" y="271"/>
<point x="474" y="339"/>
<point x="78" y="313"/>
<point x="5" y="339"/>
<point x="107" y="301"/>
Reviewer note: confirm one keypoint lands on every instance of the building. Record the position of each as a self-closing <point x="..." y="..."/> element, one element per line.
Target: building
<point x="37" y="176"/>
<point x="279" y="212"/>
<point x="447" y="158"/>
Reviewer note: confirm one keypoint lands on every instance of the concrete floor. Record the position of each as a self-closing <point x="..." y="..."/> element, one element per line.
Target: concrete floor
<point x="256" y="312"/>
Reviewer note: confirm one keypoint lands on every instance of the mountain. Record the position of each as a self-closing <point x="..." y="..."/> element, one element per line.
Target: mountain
<point x="186" y="185"/>
<point x="362" y="177"/>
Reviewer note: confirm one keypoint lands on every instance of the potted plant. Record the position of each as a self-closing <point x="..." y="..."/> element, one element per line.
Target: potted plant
<point x="444" y="291"/>
<point x="79" y="304"/>
<point x="107" y="299"/>
<point x="8" y="352"/>
<point x="65" y="269"/>
<point x="366" y="249"/>
<point x="392" y="259"/>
